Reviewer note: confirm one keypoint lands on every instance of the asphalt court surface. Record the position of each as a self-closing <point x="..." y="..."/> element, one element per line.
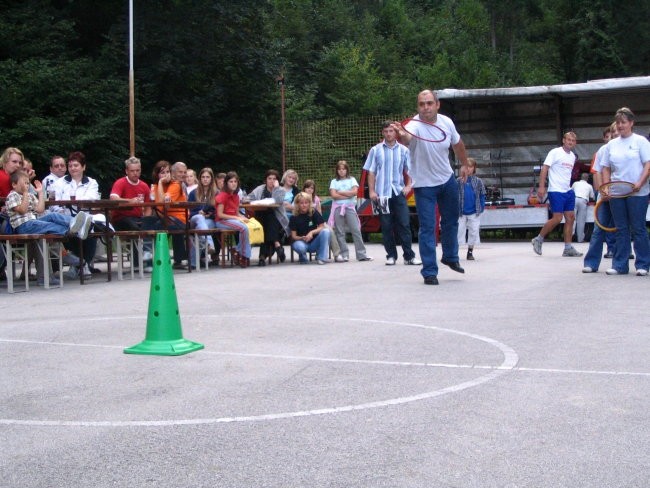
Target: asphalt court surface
<point x="523" y="372"/>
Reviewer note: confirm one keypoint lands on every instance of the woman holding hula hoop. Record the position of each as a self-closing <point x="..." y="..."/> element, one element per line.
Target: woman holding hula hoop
<point x="627" y="158"/>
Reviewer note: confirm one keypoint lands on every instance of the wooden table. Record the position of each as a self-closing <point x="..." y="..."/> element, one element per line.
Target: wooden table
<point x="251" y="208"/>
<point x="105" y="206"/>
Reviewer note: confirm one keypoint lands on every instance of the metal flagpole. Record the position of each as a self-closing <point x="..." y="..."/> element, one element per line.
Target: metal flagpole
<point x="280" y="80"/>
<point x="131" y="83"/>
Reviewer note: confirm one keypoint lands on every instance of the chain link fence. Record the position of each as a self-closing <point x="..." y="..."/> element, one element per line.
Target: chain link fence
<point x="314" y="146"/>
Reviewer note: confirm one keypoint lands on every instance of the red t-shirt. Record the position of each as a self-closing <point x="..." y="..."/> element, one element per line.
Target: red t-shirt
<point x="230" y="202"/>
<point x="123" y="188"/>
<point x="5" y="184"/>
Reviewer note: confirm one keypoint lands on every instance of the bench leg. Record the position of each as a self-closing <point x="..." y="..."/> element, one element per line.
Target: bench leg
<point x="11" y="255"/>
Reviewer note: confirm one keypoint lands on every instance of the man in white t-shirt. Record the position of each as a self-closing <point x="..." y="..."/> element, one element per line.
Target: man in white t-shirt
<point x="429" y="137"/>
<point x="558" y="166"/>
<point x="584" y="193"/>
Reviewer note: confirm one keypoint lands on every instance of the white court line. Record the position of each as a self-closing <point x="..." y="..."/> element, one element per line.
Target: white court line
<point x="509" y="364"/>
<point x="376" y="362"/>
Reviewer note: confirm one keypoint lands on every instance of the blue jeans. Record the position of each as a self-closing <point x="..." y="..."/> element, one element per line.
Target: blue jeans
<point x="199" y="221"/>
<point x="56" y="223"/>
<point x="319" y="244"/>
<point x="598" y="237"/>
<point x="51" y="223"/>
<point x="446" y="197"/>
<point x="397" y="222"/>
<point x="629" y="218"/>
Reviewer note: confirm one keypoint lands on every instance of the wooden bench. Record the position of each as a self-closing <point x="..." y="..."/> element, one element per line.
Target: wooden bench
<point x="127" y="242"/>
<point x="17" y="248"/>
<point x="225" y="236"/>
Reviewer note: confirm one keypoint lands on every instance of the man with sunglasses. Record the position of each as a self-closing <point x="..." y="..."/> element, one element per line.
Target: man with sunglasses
<point x="58" y="169"/>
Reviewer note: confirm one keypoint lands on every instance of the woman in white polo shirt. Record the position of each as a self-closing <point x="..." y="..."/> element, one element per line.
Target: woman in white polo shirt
<point x="627" y="158"/>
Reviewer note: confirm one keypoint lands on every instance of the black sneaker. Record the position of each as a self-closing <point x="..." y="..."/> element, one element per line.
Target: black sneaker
<point x="430" y="280"/>
<point x="470" y="256"/>
<point x="453" y="265"/>
<point x="280" y="252"/>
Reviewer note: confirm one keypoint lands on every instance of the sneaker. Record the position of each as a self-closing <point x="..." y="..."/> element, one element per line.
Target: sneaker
<point x="631" y="256"/>
<point x="53" y="282"/>
<point x="608" y="255"/>
<point x="367" y="258"/>
<point x="70" y="259"/>
<point x="571" y="252"/>
<point x="390" y="261"/>
<point x="454" y="265"/>
<point x="413" y="262"/>
<point x="72" y="273"/>
<point x="588" y="269"/>
<point x="320" y="261"/>
<point x="537" y="246"/>
<point x="642" y="272"/>
<point x="77" y="222"/>
<point x="147" y="269"/>
<point x="431" y="280"/>
<point x="341" y="259"/>
<point x="611" y="271"/>
<point x="470" y="256"/>
<point x="85" y="229"/>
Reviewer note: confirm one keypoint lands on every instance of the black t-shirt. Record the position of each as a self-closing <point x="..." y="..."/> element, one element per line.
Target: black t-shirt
<point x="304" y="223"/>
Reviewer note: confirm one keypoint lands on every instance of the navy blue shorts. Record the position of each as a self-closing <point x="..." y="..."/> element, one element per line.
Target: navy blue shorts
<point x="562" y="202"/>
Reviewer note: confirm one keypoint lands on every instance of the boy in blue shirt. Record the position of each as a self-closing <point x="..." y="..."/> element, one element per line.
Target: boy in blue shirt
<point x="472" y="205"/>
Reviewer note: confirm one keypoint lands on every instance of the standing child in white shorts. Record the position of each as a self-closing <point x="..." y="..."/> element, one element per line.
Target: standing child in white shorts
<point x="472" y="205"/>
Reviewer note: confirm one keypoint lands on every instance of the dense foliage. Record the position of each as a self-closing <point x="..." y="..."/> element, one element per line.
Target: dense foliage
<point x="206" y="70"/>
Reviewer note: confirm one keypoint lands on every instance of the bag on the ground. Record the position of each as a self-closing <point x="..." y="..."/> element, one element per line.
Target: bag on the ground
<point x="255" y="231"/>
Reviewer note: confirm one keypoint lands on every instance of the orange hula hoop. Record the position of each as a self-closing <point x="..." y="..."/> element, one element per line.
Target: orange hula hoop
<point x="597" y="222"/>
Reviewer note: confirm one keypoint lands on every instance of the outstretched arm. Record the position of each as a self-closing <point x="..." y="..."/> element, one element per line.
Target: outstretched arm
<point x="461" y="155"/>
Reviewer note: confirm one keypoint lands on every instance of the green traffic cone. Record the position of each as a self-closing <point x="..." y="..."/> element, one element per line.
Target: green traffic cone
<point x="164" y="335"/>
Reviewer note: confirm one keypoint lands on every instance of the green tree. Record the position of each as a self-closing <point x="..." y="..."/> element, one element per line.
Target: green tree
<point x="54" y="99"/>
<point x="212" y="80"/>
<point x="349" y="81"/>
